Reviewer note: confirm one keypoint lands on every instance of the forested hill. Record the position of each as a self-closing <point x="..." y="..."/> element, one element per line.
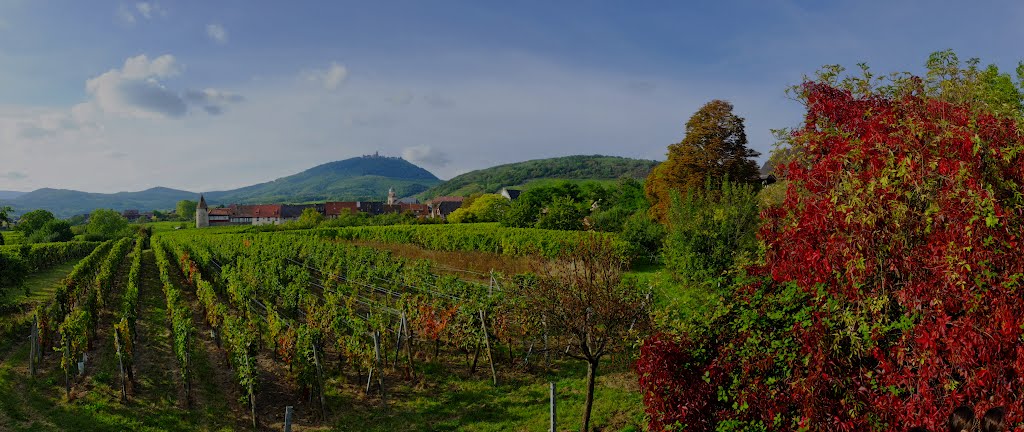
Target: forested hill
<point x="594" y="167"/>
<point x="367" y="177"/>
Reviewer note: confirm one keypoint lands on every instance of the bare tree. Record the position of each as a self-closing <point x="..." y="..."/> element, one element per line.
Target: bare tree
<point x="583" y="297"/>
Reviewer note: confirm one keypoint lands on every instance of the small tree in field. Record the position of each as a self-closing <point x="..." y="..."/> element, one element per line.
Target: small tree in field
<point x="583" y="297"/>
<point x="310" y="217"/>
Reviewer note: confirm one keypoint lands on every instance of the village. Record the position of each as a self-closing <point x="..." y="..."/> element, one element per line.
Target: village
<point x="275" y="214"/>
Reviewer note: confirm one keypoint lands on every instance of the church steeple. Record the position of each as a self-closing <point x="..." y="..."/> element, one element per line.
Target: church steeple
<point x="391" y="196"/>
<point x="202" y="203"/>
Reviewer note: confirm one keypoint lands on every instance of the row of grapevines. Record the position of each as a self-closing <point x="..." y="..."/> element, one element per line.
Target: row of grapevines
<point x="231" y="323"/>
<point x="125" y="329"/>
<point x="179" y="317"/>
<point x="74" y="311"/>
<point x="483" y="237"/>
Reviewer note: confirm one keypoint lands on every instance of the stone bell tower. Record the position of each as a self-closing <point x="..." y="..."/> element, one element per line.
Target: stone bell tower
<point x="391" y="196"/>
<point x="202" y="213"/>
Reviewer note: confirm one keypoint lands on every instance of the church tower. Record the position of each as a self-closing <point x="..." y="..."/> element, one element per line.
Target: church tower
<point x="391" y="196"/>
<point x="202" y="213"/>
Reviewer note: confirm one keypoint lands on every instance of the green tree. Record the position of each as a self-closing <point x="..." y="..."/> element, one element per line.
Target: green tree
<point x="711" y="232"/>
<point x="482" y="208"/>
<point x="646" y="234"/>
<point x="186" y="209"/>
<point x="105" y="224"/>
<point x="55" y="230"/>
<point x="461" y="215"/>
<point x="32" y="221"/>
<point x="520" y="214"/>
<point x="562" y="214"/>
<point x="310" y="217"/>
<point x="5" y="216"/>
<point x="715" y="146"/>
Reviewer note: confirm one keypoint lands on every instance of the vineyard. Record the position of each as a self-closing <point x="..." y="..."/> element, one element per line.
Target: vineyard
<point x="237" y="326"/>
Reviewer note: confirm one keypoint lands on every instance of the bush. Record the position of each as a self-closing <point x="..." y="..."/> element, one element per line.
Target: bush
<point x="562" y="214"/>
<point x="710" y="232"/>
<point x="54" y="230"/>
<point x="644" y="234"/>
<point x="891" y="284"/>
<point x="106" y="224"/>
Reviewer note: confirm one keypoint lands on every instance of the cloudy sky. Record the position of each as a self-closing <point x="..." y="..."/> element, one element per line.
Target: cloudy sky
<point x="110" y="96"/>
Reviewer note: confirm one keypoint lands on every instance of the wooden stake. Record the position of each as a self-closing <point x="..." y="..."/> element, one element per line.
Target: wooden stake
<point x="487" y="344"/>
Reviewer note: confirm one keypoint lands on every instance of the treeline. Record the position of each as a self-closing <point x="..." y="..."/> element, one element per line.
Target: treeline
<point x="491" y="180"/>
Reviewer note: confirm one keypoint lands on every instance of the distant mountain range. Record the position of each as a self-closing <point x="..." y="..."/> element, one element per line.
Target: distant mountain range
<point x="5" y="195"/>
<point x="360" y="178"/>
<point x="490" y="180"/>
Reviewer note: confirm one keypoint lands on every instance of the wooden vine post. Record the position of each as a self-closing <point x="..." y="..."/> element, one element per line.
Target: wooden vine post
<point x="34" y="350"/>
<point x="319" y="381"/>
<point x="120" y="366"/>
<point x="252" y="394"/>
<point x="487" y="344"/>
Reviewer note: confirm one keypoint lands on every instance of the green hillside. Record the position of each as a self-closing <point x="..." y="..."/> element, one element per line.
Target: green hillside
<point x="492" y="179"/>
<point x="365" y="178"/>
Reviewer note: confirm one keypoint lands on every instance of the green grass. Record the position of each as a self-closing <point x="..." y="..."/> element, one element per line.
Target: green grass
<point x="452" y="403"/>
<point x="169" y="225"/>
<point x="40" y="287"/>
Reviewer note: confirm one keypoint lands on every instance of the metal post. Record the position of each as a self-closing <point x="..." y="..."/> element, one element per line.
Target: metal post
<point x="554" y="415"/>
<point x="288" y="410"/>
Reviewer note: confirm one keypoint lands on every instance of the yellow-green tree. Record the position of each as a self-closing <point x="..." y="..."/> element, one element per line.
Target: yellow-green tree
<point x="715" y="147"/>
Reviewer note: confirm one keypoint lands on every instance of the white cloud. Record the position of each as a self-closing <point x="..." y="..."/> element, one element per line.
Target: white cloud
<point x="142" y="10"/>
<point x="125" y="14"/>
<point x="137" y="90"/>
<point x="217" y="33"/>
<point x="425" y="154"/>
<point x="150" y="9"/>
<point x="330" y="78"/>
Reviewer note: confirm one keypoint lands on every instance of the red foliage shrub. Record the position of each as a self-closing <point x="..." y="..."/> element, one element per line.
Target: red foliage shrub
<point x="896" y="270"/>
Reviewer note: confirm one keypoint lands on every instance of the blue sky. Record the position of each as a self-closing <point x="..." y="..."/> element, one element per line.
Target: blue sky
<point x="108" y="96"/>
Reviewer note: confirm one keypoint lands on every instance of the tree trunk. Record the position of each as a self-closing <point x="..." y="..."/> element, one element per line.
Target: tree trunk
<point x="591" y="377"/>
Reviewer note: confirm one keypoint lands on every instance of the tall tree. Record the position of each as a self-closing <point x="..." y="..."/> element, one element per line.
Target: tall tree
<point x="33" y="220"/>
<point x="186" y="209"/>
<point x="106" y="224"/>
<point x="715" y="146"/>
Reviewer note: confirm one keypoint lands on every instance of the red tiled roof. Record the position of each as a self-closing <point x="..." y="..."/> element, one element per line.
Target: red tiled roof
<point x="266" y="211"/>
<point x="220" y="212"/>
<point x="335" y="208"/>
